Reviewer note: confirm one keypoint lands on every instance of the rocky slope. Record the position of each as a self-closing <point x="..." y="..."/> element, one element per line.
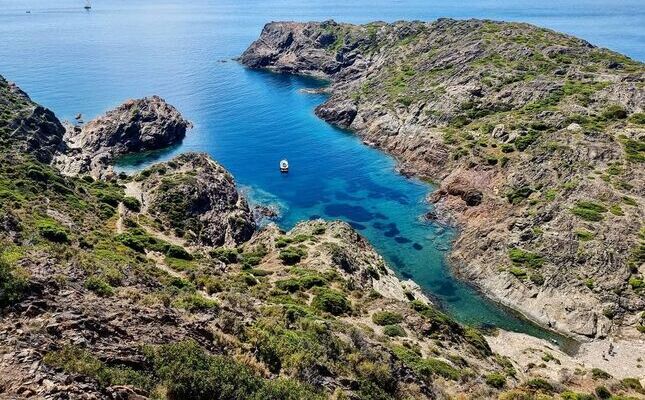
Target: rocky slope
<point x="135" y="126"/>
<point x="534" y="138"/>
<point x="100" y="299"/>
<point x="196" y="199"/>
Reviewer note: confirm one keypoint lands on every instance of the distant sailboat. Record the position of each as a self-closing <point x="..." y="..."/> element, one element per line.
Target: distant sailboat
<point x="88" y="5"/>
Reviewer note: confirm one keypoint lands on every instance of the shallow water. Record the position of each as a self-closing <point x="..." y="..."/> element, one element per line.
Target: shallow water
<point x="74" y="61"/>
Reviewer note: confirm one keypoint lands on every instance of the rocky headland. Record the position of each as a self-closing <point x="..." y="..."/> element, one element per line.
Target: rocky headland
<point x="535" y="140"/>
<point x="135" y="126"/>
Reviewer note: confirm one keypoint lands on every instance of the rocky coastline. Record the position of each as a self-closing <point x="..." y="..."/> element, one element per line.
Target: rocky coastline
<point x="159" y="285"/>
<point x="524" y="129"/>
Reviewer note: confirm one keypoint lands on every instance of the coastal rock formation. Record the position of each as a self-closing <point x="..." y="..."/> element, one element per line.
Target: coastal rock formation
<point x="31" y="127"/>
<point x="535" y="137"/>
<point x="101" y="299"/>
<point x="196" y="199"/>
<point x="135" y="126"/>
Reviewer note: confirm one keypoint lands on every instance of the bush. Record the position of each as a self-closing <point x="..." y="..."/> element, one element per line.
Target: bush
<point x="589" y="211"/>
<point x="602" y="392"/>
<point x="614" y="112"/>
<point x="99" y="286"/>
<point x="331" y="301"/>
<point x="178" y="252"/>
<point x="539" y="384"/>
<point x="225" y="255"/>
<point x="523" y="257"/>
<point x="12" y="284"/>
<point x="637" y="118"/>
<point x="52" y="231"/>
<point x="188" y="372"/>
<point x="132" y="203"/>
<point x="584" y="235"/>
<point x="496" y="380"/>
<point x="393" y="331"/>
<point x="383" y="318"/>
<point x="632" y="383"/>
<point x="195" y="302"/>
<point x="568" y="395"/>
<point x="292" y="255"/>
<point x="636" y="283"/>
<point x="517" y="195"/>
<point x="597" y="373"/>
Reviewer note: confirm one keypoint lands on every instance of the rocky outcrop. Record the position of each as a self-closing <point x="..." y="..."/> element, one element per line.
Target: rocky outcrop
<point x="196" y="199"/>
<point x="28" y="126"/>
<point x="135" y="126"/>
<point x="523" y="128"/>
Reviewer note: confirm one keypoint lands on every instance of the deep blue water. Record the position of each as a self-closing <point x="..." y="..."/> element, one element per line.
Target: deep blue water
<point x="75" y="61"/>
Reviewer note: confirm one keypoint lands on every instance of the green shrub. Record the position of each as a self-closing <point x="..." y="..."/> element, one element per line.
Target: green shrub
<point x="629" y="201"/>
<point x="386" y="318"/>
<point x="637" y="118"/>
<point x="633" y="383"/>
<point x="536" y="278"/>
<point x="616" y="210"/>
<point x="139" y="240"/>
<point x="132" y="203"/>
<point x="252" y="258"/>
<point x="99" y="286"/>
<point x="12" y="284"/>
<point x="292" y="255"/>
<point x="636" y="283"/>
<point x="189" y="373"/>
<point x="195" y="302"/>
<point x="331" y="301"/>
<point x="597" y="373"/>
<point x="523" y="257"/>
<point x="394" y="331"/>
<point x="634" y="149"/>
<point x="602" y="392"/>
<point x="517" y="195"/>
<point x="540" y="384"/>
<point x="614" y="112"/>
<point x="496" y="380"/>
<point x="584" y="235"/>
<point x="52" y="231"/>
<point x="225" y="255"/>
<point x="568" y="395"/>
<point x="178" y="252"/>
<point x="589" y="211"/>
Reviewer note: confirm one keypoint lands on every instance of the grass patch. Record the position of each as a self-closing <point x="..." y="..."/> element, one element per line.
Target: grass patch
<point x="589" y="211"/>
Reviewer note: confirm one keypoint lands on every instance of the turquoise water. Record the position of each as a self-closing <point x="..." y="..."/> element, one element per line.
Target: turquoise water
<point x="73" y="61"/>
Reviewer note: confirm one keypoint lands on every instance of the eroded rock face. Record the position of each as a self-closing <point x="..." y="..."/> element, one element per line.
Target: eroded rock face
<point x="31" y="127"/>
<point x="518" y="125"/>
<point x="135" y="126"/>
<point x="196" y="199"/>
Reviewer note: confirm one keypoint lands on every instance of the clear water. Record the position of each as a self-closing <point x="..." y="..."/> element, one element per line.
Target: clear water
<point x="75" y="61"/>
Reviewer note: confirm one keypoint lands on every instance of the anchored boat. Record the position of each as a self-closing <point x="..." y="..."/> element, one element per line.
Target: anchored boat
<point x="88" y="5"/>
<point x="284" y="166"/>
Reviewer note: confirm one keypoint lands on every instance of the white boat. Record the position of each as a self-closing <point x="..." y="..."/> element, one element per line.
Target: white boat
<point x="88" y="5"/>
<point x="284" y="166"/>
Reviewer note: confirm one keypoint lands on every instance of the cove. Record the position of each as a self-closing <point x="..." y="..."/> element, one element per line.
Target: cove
<point x="333" y="175"/>
<point x="77" y="62"/>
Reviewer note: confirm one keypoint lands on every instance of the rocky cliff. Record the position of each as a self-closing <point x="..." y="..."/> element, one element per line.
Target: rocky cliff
<point x="102" y="298"/>
<point x="534" y="138"/>
<point x="135" y="126"/>
<point x="195" y="199"/>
